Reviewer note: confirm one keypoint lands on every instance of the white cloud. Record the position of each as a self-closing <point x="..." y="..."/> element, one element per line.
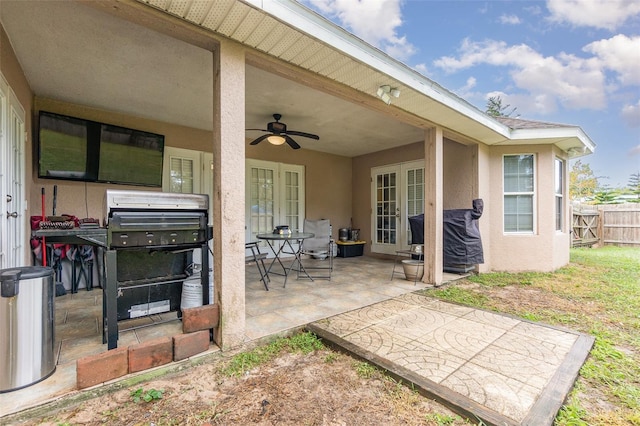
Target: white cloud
<point x="509" y="19"/>
<point x="608" y="14"/>
<point x="635" y="150"/>
<point x="375" y="21"/>
<point x="620" y="54"/>
<point x="465" y="91"/>
<point x="422" y="68"/>
<point x="631" y="114"/>
<point x="572" y="81"/>
<point x="533" y="10"/>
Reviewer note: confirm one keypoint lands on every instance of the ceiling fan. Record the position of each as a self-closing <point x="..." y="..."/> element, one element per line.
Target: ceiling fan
<point x="278" y="134"/>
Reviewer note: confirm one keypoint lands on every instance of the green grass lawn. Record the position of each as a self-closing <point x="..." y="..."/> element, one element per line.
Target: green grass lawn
<point x="597" y="293"/>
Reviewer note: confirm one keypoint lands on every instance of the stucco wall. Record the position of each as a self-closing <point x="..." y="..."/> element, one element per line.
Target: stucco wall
<point x="459" y="175"/>
<point x="545" y="249"/>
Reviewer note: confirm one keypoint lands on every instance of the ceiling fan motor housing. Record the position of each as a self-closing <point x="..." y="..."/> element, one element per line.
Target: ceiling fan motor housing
<point x="276" y="127"/>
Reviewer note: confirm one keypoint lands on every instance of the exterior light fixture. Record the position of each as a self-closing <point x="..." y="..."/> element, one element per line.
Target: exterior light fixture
<point x="386" y="92"/>
<point x="276" y="140"/>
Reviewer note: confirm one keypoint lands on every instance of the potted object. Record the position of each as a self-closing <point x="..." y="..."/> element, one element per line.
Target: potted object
<point x="413" y="269"/>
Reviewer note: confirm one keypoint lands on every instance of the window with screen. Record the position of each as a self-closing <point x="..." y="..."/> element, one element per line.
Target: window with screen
<point x="519" y="193"/>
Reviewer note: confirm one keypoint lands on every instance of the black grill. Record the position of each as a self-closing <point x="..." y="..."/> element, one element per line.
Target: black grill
<point x="146" y="231"/>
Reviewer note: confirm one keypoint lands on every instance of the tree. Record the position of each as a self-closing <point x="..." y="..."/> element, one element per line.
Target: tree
<point x="495" y="108"/>
<point x="606" y="196"/>
<point x="634" y="184"/>
<point x="582" y="182"/>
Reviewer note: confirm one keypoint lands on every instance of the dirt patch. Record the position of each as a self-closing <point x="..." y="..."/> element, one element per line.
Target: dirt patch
<point x="321" y="388"/>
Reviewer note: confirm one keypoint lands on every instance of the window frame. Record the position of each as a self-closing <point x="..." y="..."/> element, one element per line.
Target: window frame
<point x="532" y="194"/>
<point x="559" y="197"/>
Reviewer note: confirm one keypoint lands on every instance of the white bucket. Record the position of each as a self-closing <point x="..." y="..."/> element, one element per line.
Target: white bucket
<point x="191" y="293"/>
<point x="413" y="268"/>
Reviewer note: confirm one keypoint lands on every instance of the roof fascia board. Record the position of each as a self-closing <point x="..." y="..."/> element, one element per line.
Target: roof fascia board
<point x="303" y="19"/>
<point x="570" y="132"/>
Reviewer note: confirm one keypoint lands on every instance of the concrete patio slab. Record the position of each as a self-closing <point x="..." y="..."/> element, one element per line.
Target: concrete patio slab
<point x="484" y="365"/>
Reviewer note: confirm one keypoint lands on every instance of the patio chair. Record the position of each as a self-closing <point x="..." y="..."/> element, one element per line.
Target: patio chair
<point x="416" y="249"/>
<point x="253" y="255"/>
<point x="319" y="249"/>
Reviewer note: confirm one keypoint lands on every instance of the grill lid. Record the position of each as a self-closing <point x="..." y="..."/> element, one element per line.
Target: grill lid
<point x="152" y="201"/>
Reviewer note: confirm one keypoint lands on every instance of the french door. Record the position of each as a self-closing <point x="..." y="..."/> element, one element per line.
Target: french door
<point x="397" y="192"/>
<point x="12" y="178"/>
<point x="275" y="195"/>
<point x="187" y="171"/>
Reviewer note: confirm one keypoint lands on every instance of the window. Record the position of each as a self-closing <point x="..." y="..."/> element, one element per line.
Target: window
<point x="519" y="193"/>
<point x="559" y="193"/>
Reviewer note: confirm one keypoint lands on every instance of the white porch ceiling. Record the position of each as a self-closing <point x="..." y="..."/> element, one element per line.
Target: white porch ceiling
<point x="78" y="54"/>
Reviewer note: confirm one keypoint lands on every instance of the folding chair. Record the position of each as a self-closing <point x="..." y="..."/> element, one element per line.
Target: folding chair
<point x="258" y="258"/>
<point x="319" y="248"/>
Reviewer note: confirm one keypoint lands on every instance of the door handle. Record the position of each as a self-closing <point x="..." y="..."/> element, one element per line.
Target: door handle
<point x="14" y="215"/>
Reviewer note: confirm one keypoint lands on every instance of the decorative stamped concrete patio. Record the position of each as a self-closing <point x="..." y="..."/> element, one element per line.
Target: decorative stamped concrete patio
<point x="484" y="365"/>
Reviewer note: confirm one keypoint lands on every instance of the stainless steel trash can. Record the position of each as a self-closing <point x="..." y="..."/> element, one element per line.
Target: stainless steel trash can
<point x="26" y="326"/>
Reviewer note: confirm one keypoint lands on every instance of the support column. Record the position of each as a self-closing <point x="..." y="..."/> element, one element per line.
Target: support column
<point x="228" y="192"/>
<point x="433" y="206"/>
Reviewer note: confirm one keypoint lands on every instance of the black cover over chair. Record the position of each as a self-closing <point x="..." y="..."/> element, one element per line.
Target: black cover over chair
<point x="319" y="249"/>
<point x="462" y="242"/>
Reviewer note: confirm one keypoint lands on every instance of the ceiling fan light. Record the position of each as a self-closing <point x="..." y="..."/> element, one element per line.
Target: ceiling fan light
<point x="276" y="140"/>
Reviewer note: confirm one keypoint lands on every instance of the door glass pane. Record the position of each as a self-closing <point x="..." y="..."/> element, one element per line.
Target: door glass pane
<point x="415" y="197"/>
<point x="385" y="208"/>
<point x="181" y="175"/>
<point x="292" y="201"/>
<point x="261" y="201"/>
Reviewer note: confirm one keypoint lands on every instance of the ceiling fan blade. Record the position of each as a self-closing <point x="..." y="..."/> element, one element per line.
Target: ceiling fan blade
<point x="260" y="139"/>
<point x="293" y="144"/>
<point x="303" y="134"/>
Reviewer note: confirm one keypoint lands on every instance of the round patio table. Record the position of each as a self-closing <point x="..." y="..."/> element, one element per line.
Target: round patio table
<point x="279" y="249"/>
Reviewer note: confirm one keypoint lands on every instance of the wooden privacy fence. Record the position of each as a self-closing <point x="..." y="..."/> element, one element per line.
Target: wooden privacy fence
<point x="613" y="224"/>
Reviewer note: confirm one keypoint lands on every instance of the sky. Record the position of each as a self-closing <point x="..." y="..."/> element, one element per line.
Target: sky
<point x="573" y="62"/>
